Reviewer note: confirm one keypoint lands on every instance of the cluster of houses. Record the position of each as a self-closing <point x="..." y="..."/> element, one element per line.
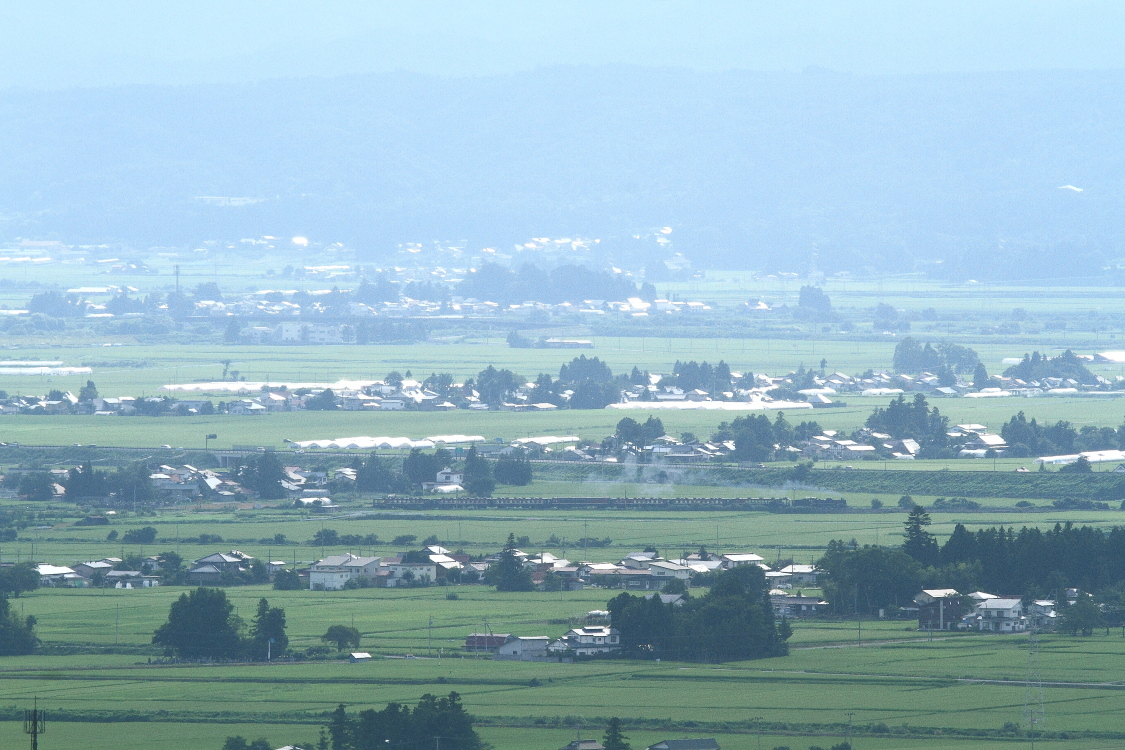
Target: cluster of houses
<point x="948" y="609"/>
<point x="99" y="573"/>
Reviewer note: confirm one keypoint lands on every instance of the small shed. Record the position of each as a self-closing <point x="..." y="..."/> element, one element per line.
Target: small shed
<point x="358" y="656"/>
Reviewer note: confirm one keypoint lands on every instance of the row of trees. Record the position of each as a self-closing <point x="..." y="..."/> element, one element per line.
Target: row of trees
<point x="1037" y="366"/>
<point x="1029" y="438"/>
<point x="1029" y="562"/>
<point x="942" y="359"/>
<point x="914" y="419"/>
<point x="433" y="720"/>
<point x="756" y="438"/>
<point x="127" y="482"/>
<point x="479" y="475"/>
<point x="733" y="620"/>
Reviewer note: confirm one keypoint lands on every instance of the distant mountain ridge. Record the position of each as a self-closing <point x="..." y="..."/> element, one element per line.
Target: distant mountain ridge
<point x="957" y="175"/>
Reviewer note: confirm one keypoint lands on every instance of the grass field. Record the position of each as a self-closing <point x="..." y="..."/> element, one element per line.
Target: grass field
<point x="897" y="679"/>
<point x="95" y="679"/>
<point x="798" y="536"/>
<point x="271" y="429"/>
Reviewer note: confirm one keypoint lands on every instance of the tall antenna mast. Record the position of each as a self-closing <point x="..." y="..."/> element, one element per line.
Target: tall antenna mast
<point x="1034" y="712"/>
<point x="35" y="724"/>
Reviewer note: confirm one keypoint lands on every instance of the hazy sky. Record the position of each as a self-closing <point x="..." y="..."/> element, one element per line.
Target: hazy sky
<point x="59" y="43"/>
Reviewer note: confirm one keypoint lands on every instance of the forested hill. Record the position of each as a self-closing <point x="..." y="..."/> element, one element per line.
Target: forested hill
<point x="958" y="175"/>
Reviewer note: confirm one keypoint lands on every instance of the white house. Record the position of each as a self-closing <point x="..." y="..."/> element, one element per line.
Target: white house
<point x="735" y="559"/>
<point x="802" y="574"/>
<point x="331" y="573"/>
<point x="402" y="574"/>
<point x="1001" y="615"/>
<point x="668" y="570"/>
<point x="588" y="641"/>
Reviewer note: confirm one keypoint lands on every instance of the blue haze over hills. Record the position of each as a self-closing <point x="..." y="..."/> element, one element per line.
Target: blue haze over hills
<point x="923" y="154"/>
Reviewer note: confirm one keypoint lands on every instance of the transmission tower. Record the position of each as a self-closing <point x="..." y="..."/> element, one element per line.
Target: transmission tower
<point x="35" y="724"/>
<point x="1034" y="713"/>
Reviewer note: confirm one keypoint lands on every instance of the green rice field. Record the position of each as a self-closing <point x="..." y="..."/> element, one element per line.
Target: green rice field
<point x="897" y="679"/>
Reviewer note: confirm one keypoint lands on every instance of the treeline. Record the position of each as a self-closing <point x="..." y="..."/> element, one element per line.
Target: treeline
<point x="734" y="620"/>
<point x="432" y="719"/>
<point x="1028" y="563"/>
<point x="914" y="419"/>
<point x="583" y="383"/>
<point x="479" y="475"/>
<point x="1038" y="366"/>
<point x="84" y="481"/>
<point x="943" y="359"/>
<point x="1029" y="438"/>
<point x="756" y="438"/>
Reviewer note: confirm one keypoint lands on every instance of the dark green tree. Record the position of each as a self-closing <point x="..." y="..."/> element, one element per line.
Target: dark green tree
<point x="733" y="621"/>
<point x="508" y="573"/>
<point x="1082" y="617"/>
<point x="143" y="535"/>
<point x="263" y="474"/>
<point x="89" y="391"/>
<point x="495" y="386"/>
<point x="36" y="486"/>
<point x="478" y="475"/>
<point x="17" y="635"/>
<point x="373" y="476"/>
<point x="201" y="625"/>
<point x="513" y="470"/>
<point x="85" y="481"/>
<point x="342" y="637"/>
<point x="980" y="377"/>
<point x="419" y="467"/>
<point x="287" y="580"/>
<point x="919" y="543"/>
<point x="1080" y="466"/>
<point x="323" y="401"/>
<point x="614" y="739"/>
<point x="268" y="624"/>
<point x="15" y="579"/>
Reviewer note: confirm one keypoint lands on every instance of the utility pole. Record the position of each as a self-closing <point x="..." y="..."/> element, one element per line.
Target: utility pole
<point x="430" y="637"/>
<point x="116" y="623"/>
<point x="758" y="721"/>
<point x="849" y="739"/>
<point x="35" y="724"/>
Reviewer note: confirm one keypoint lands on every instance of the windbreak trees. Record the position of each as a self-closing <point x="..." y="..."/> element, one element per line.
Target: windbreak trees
<point x="396" y="725"/>
<point x="733" y="621"/>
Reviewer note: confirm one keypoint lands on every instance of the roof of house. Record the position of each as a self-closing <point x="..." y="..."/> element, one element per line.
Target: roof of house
<point x="800" y="569"/>
<point x="1001" y="603"/>
<point x="345" y="560"/>
<point x="940" y="593"/>
<point x="743" y="557"/>
<point x="584" y="745"/>
<point x="692" y="744"/>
